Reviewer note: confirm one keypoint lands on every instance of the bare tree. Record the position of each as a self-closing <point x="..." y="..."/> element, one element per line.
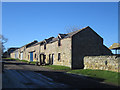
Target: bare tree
<point x="72" y="28"/>
<point x="3" y="40"/>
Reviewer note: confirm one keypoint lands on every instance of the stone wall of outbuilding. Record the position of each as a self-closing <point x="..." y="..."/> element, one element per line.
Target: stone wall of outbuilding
<point x="64" y="49"/>
<point x="106" y="62"/>
<point x="35" y="49"/>
<point x="12" y="55"/>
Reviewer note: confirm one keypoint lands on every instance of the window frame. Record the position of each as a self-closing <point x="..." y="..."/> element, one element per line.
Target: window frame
<point x="59" y="56"/>
<point x="28" y="56"/>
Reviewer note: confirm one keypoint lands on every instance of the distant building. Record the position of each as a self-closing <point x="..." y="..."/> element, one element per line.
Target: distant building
<point x="116" y="47"/>
<point x="7" y="53"/>
<point x="4" y="55"/>
<point x="21" y="52"/>
<point x="66" y="49"/>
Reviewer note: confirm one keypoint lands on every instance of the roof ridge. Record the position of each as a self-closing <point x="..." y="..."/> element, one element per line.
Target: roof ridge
<point x="74" y="32"/>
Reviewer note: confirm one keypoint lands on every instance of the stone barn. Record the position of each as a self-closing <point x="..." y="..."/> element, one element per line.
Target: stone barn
<point x="65" y="49"/>
<point x="22" y="52"/>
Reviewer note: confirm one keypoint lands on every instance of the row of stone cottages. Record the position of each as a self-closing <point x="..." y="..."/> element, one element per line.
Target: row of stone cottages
<point x="66" y="49"/>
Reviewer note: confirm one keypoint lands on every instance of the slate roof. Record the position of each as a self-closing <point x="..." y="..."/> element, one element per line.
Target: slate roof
<point x="75" y="32"/>
<point x="12" y="49"/>
<point x="39" y="43"/>
<point x="44" y="41"/>
<point x="31" y="43"/>
<point x="49" y="39"/>
<point x="67" y="35"/>
<point x="60" y="36"/>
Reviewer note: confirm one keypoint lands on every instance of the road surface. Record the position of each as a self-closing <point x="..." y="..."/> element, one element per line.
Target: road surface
<point x="21" y="75"/>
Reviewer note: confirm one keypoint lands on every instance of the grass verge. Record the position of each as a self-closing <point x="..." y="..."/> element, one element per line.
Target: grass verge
<point x="58" y="67"/>
<point x="20" y="60"/>
<point x="10" y="58"/>
<point x="104" y="75"/>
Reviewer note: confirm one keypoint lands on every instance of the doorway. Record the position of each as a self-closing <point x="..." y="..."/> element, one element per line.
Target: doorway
<point x="42" y="59"/>
<point x="21" y="56"/>
<point x="31" y="56"/>
<point x="52" y="59"/>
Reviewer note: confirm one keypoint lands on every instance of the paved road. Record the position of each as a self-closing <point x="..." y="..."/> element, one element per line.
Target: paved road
<point x="23" y="75"/>
<point x="27" y="79"/>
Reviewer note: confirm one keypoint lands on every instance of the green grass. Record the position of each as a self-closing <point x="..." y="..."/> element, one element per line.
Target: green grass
<point x="58" y="67"/>
<point x="17" y="59"/>
<point x="20" y="60"/>
<point x="28" y="61"/>
<point x="9" y="58"/>
<point x="108" y="76"/>
<point x="23" y="60"/>
<point x="33" y="62"/>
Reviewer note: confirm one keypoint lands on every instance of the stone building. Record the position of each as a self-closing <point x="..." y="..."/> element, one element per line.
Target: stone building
<point x="21" y="53"/>
<point x="66" y="49"/>
<point x="7" y="54"/>
<point x="32" y="53"/>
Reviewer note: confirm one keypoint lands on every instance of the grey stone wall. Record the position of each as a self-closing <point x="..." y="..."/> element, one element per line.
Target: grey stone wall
<point x="64" y="50"/>
<point x="106" y="62"/>
<point x="15" y="54"/>
<point x="12" y="55"/>
<point x="26" y="53"/>
<point x="35" y="49"/>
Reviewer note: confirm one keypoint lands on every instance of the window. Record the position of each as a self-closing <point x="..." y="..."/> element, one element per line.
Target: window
<point x="58" y="56"/>
<point x="49" y="56"/>
<point x="28" y="56"/>
<point x="35" y="55"/>
<point x="59" y="42"/>
<point x="44" y="46"/>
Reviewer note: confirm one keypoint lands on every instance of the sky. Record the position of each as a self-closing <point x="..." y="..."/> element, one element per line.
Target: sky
<point x="23" y="22"/>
